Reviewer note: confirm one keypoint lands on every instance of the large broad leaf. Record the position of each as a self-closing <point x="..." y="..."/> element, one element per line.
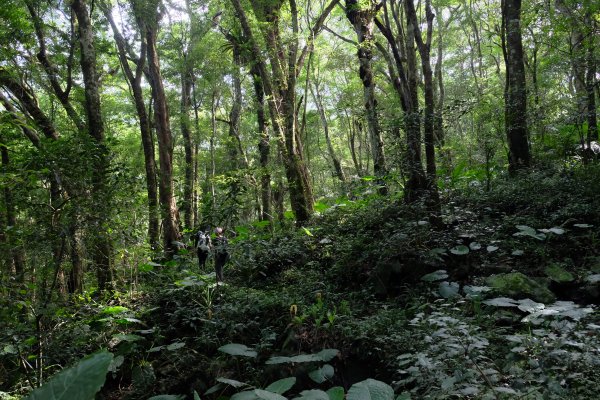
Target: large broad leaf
<point x="265" y="395"/>
<point x="281" y="386"/>
<point x="80" y="381"/>
<point x="501" y="302"/>
<point x="595" y="278"/>
<point x="336" y="393"/>
<point x="448" y="290"/>
<point x="236" y="349"/>
<point x="322" y="374"/>
<point x="435" y="276"/>
<point x="247" y="395"/>
<point x="474" y="292"/>
<point x="525" y="230"/>
<point x="370" y="389"/>
<point x="312" y="395"/>
<point x="232" y="382"/>
<point x="460" y="250"/>
<point x="322" y="356"/>
<point x="257" y="394"/>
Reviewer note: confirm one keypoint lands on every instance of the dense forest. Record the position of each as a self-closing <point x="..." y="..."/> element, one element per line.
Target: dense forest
<point x="405" y="196"/>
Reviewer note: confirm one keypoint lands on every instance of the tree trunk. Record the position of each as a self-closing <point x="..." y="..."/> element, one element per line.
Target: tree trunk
<point x="169" y="212"/>
<point x="406" y="86"/>
<point x="101" y="249"/>
<point x="135" y="82"/>
<point x="337" y="165"/>
<point x="17" y="256"/>
<point x="515" y="89"/>
<point x="264" y="146"/>
<point x="75" y="280"/>
<point x="362" y="19"/>
<point x="280" y="90"/>
<point x="590" y="80"/>
<point x="429" y="133"/>
<point x="186" y="132"/>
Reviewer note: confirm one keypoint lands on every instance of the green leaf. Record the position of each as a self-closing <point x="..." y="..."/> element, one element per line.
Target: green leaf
<point x="327" y="354"/>
<point x="435" y="276"/>
<point x="448" y="290"/>
<point x="214" y="389"/>
<point x="114" y="310"/>
<point x="281" y="386"/>
<point x="236" y="349"/>
<point x="475" y="246"/>
<point x="166" y="397"/>
<point x="322" y="374"/>
<point x="370" y="389"/>
<point x="145" y="268"/>
<point x="175" y="346"/>
<point x="312" y="395"/>
<point x="525" y="230"/>
<point x="595" y="278"/>
<point x="460" y="250"/>
<point x="196" y="396"/>
<point x="231" y="382"/>
<point x="246" y="395"/>
<point x="336" y="393"/>
<point x="320" y="207"/>
<point x="491" y="249"/>
<point x="501" y="302"/>
<point x="81" y="381"/>
<point x="278" y="360"/>
<point x="324" y="355"/>
<point x="121" y="337"/>
<point x="307" y="232"/>
<point x="474" y="292"/>
<point x="583" y="226"/>
<point x="263" y="394"/>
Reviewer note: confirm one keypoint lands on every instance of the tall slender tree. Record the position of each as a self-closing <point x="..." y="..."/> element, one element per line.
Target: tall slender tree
<point x="102" y="249"/>
<point x="361" y="15"/>
<point x="280" y="88"/>
<point x="134" y="78"/>
<point x="148" y="15"/>
<point x="515" y="91"/>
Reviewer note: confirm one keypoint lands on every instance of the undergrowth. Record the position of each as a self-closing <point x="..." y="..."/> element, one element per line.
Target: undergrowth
<point x="388" y="296"/>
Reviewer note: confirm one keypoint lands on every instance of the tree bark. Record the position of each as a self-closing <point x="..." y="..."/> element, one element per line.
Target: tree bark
<point x="280" y="90"/>
<point x="149" y="27"/>
<point x="186" y="132"/>
<point x="135" y="82"/>
<point x="406" y="84"/>
<point x="362" y="19"/>
<point x="337" y="165"/>
<point x="101" y="249"/>
<point x="590" y="80"/>
<point x="515" y="89"/>
<point x="17" y="255"/>
<point x="264" y="146"/>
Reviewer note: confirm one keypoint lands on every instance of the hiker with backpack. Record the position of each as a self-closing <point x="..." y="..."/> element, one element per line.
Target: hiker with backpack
<point x="203" y="246"/>
<point x="221" y="253"/>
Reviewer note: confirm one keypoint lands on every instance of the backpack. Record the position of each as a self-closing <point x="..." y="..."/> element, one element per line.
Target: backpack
<point x="202" y="241"/>
<point x="220" y="245"/>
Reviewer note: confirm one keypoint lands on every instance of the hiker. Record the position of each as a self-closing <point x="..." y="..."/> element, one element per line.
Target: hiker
<point x="220" y="253"/>
<point x="203" y="245"/>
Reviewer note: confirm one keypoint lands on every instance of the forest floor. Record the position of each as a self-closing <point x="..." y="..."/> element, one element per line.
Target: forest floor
<point x="500" y="302"/>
